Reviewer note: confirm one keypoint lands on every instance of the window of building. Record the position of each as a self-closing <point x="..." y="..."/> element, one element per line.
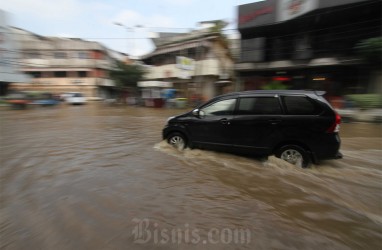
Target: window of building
<point x="32" y="55"/>
<point x="253" y="50"/>
<point x="60" y="55"/>
<point x="259" y="106"/>
<point x="83" y="55"/>
<point x="225" y="107"/>
<point x="300" y="105"/>
<point x="35" y="74"/>
<point x="82" y="74"/>
<point x="60" y="74"/>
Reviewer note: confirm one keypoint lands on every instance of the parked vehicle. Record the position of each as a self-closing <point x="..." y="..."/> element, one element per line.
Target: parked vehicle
<point x="64" y="96"/>
<point x="296" y="126"/>
<point x="18" y="100"/>
<point x="46" y="99"/>
<point x="76" y="98"/>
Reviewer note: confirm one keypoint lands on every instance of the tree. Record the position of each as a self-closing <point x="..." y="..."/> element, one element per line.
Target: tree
<point x="371" y="51"/>
<point x="127" y="75"/>
<point x="218" y="26"/>
<point x="274" y="85"/>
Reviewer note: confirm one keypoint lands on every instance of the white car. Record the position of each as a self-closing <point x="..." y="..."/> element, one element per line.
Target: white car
<point x="76" y="98"/>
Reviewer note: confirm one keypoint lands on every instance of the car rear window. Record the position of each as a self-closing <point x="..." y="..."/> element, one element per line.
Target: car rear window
<point x="259" y="106"/>
<point x="300" y="105"/>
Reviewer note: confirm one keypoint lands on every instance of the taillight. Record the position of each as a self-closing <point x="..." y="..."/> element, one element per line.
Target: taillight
<point x="335" y="127"/>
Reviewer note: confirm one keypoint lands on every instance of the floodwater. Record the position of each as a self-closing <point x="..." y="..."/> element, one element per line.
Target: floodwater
<point x="99" y="177"/>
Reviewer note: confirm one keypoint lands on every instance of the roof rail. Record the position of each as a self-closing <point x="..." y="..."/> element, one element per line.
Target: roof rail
<point x="320" y="93"/>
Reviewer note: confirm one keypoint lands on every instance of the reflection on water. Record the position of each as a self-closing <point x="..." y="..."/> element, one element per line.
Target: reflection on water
<point x="77" y="177"/>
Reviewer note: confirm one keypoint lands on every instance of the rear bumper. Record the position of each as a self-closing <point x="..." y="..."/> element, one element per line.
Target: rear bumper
<point x="327" y="147"/>
<point x="316" y="159"/>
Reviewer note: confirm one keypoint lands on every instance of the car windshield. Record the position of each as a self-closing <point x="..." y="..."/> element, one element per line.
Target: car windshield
<point x="77" y="95"/>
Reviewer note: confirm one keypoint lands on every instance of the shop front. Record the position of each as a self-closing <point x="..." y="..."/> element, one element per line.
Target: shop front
<point x="290" y="44"/>
<point x="335" y="81"/>
<point x="153" y="93"/>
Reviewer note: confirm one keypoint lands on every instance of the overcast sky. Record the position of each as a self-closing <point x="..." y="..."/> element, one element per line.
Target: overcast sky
<point x="94" y="19"/>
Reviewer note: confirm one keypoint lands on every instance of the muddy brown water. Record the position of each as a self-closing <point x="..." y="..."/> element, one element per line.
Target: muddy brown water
<point x="99" y="177"/>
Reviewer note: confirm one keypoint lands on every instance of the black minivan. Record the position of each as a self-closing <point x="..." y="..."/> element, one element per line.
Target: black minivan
<point x="296" y="126"/>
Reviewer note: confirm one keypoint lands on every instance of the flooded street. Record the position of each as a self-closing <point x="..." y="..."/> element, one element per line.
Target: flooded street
<point x="100" y="177"/>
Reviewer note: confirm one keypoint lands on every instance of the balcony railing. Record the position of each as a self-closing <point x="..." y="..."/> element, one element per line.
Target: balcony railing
<point x="69" y="63"/>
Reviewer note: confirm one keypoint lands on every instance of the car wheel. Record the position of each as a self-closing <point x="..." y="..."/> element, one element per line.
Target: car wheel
<point x="177" y="140"/>
<point x="295" y="155"/>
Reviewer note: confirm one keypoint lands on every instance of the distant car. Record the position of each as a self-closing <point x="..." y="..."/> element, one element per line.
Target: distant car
<point x="46" y="99"/>
<point x="76" y="98"/>
<point x="296" y="126"/>
<point x="18" y="100"/>
<point x="64" y="96"/>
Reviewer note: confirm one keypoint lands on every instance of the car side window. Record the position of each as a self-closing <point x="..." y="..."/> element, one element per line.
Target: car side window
<point x="224" y="107"/>
<point x="259" y="106"/>
<point x="300" y="105"/>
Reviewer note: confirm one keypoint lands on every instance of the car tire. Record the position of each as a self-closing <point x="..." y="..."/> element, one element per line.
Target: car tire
<point x="295" y="155"/>
<point x="177" y="140"/>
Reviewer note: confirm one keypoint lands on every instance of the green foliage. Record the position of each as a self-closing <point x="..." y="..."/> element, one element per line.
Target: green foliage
<point x="274" y="85"/>
<point x="366" y="101"/>
<point x="218" y="27"/>
<point x="371" y="50"/>
<point x="127" y="76"/>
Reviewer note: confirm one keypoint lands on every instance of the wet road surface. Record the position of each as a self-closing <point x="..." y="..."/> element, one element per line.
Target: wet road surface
<point x="99" y="177"/>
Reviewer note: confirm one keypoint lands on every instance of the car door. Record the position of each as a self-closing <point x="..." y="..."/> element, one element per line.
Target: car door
<point x="212" y="127"/>
<point x="255" y="124"/>
<point x="301" y="122"/>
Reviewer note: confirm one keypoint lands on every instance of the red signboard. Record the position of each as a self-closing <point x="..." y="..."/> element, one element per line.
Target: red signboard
<point x="253" y="15"/>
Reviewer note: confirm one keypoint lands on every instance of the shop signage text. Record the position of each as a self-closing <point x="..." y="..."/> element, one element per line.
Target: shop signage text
<point x="249" y="17"/>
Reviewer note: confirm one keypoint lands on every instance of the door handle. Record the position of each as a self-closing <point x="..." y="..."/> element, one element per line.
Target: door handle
<point x="225" y="121"/>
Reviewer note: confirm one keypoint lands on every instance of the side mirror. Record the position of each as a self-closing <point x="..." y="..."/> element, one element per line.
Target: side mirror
<point x="198" y="113"/>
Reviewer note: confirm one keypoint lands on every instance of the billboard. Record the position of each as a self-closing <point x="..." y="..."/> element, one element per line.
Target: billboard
<point x="273" y="11"/>
<point x="257" y="14"/>
<point x="185" y="63"/>
<point x="333" y="3"/>
<point x="289" y="9"/>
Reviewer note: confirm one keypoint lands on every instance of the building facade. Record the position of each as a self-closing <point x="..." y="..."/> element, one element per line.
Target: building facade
<point x="194" y="64"/>
<point x="10" y="70"/>
<point x="60" y="65"/>
<point x="309" y="44"/>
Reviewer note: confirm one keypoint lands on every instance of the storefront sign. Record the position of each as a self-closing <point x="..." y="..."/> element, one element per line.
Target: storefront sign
<point x="154" y="84"/>
<point x="185" y="63"/>
<point x="251" y="16"/>
<point x="257" y="14"/>
<point x="288" y="9"/>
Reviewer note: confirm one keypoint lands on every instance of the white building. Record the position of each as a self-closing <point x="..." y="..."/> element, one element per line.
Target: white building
<point x="198" y="63"/>
<point x="61" y="65"/>
<point x="9" y="57"/>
